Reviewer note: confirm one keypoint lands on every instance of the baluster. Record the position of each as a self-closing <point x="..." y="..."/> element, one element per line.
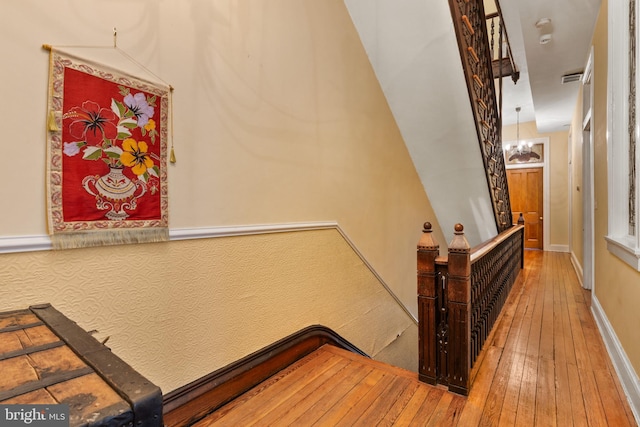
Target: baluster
<point x="492" y="40"/>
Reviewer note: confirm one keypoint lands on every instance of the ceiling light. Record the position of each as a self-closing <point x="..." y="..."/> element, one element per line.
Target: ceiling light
<point x="542" y="22"/>
<point x="522" y="151"/>
<point x="545" y="38"/>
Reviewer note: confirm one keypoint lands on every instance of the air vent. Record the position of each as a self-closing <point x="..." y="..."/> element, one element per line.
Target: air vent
<point x="569" y="78"/>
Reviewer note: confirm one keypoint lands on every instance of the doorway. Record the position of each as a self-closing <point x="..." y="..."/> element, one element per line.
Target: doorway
<point x="526" y="195"/>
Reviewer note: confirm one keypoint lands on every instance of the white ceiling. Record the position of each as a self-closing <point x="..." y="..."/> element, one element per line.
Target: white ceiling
<point x="419" y="70"/>
<point x="540" y="93"/>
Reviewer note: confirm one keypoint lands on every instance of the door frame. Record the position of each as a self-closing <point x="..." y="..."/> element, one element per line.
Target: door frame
<point x="588" y="184"/>
<point x="546" y="208"/>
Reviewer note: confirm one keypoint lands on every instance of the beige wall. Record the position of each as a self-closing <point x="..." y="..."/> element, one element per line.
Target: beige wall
<point x="278" y="118"/>
<point x="181" y="310"/>
<point x="617" y="286"/>
<point x="558" y="221"/>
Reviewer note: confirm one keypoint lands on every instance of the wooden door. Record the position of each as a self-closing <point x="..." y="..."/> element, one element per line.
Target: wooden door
<point x="525" y="192"/>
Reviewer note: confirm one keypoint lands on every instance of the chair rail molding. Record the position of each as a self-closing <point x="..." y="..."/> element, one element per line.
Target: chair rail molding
<point x="32" y="243"/>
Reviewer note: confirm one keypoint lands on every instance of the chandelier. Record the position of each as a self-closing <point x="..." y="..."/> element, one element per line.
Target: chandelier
<point x="521" y="152"/>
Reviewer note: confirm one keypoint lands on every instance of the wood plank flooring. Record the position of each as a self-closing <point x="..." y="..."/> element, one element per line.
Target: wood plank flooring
<point x="544" y="364"/>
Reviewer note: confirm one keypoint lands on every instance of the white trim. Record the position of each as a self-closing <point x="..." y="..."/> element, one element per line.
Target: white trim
<point x="616" y="123"/>
<point x="624" y="369"/>
<point x="43" y="243"/>
<point x="546" y="208"/>
<point x="588" y="183"/>
<point x="24" y="244"/>
<point x="620" y="243"/>
<point x="246" y="230"/>
<point x="558" y="248"/>
<point x="570" y="188"/>
<point x="375" y="273"/>
<point x="625" y="251"/>
<point x="525" y="166"/>
<point x="577" y="267"/>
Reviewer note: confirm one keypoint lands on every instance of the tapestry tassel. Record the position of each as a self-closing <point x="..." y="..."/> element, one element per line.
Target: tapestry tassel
<point x="172" y="155"/>
<point x="52" y="125"/>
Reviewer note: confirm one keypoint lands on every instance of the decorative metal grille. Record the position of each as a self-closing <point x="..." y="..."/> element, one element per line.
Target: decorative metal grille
<point x="473" y="42"/>
<point x="460" y="298"/>
<point x="492" y="277"/>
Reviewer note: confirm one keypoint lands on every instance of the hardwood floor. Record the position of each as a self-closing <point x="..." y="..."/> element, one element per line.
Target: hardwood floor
<point x="544" y="364"/>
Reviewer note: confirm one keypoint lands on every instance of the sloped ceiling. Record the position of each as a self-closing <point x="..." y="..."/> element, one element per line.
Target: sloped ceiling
<point x="540" y="92"/>
<point x="413" y="50"/>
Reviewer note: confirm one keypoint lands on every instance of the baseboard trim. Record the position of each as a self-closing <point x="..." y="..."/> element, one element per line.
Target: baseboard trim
<point x="558" y="248"/>
<point x="622" y="365"/>
<point x="578" y="268"/>
<point x="186" y="405"/>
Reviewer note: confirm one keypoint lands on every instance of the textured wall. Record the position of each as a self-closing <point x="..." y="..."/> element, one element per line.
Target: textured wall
<point x="177" y="311"/>
<point x="278" y="118"/>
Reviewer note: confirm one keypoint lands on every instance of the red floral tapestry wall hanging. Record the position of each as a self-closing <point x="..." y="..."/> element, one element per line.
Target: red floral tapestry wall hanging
<point x="107" y="145"/>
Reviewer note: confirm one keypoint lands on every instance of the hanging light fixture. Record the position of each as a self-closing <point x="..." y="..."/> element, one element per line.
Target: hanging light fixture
<point x="521" y="152"/>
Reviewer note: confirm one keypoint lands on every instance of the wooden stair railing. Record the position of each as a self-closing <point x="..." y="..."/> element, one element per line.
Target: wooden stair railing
<point x="471" y="32"/>
<point x="459" y="299"/>
<point x="502" y="62"/>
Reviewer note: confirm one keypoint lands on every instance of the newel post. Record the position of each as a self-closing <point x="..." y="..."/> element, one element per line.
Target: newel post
<point x="459" y="316"/>
<point x="428" y="251"/>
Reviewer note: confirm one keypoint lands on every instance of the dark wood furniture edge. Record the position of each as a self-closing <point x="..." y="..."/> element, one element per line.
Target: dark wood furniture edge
<point x="44" y="382"/>
<point x="144" y="397"/>
<point x="195" y="400"/>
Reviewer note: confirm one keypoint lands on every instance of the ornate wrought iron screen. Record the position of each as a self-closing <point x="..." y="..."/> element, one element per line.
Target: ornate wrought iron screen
<point x="471" y="31"/>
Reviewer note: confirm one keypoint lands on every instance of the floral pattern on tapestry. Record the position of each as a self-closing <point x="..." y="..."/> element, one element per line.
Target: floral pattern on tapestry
<point x="107" y="180"/>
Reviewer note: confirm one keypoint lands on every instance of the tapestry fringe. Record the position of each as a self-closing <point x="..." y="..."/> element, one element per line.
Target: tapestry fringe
<point x="85" y="239"/>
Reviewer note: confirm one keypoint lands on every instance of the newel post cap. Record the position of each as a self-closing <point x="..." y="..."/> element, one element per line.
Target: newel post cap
<point x="428" y="240"/>
<point x="459" y="242"/>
